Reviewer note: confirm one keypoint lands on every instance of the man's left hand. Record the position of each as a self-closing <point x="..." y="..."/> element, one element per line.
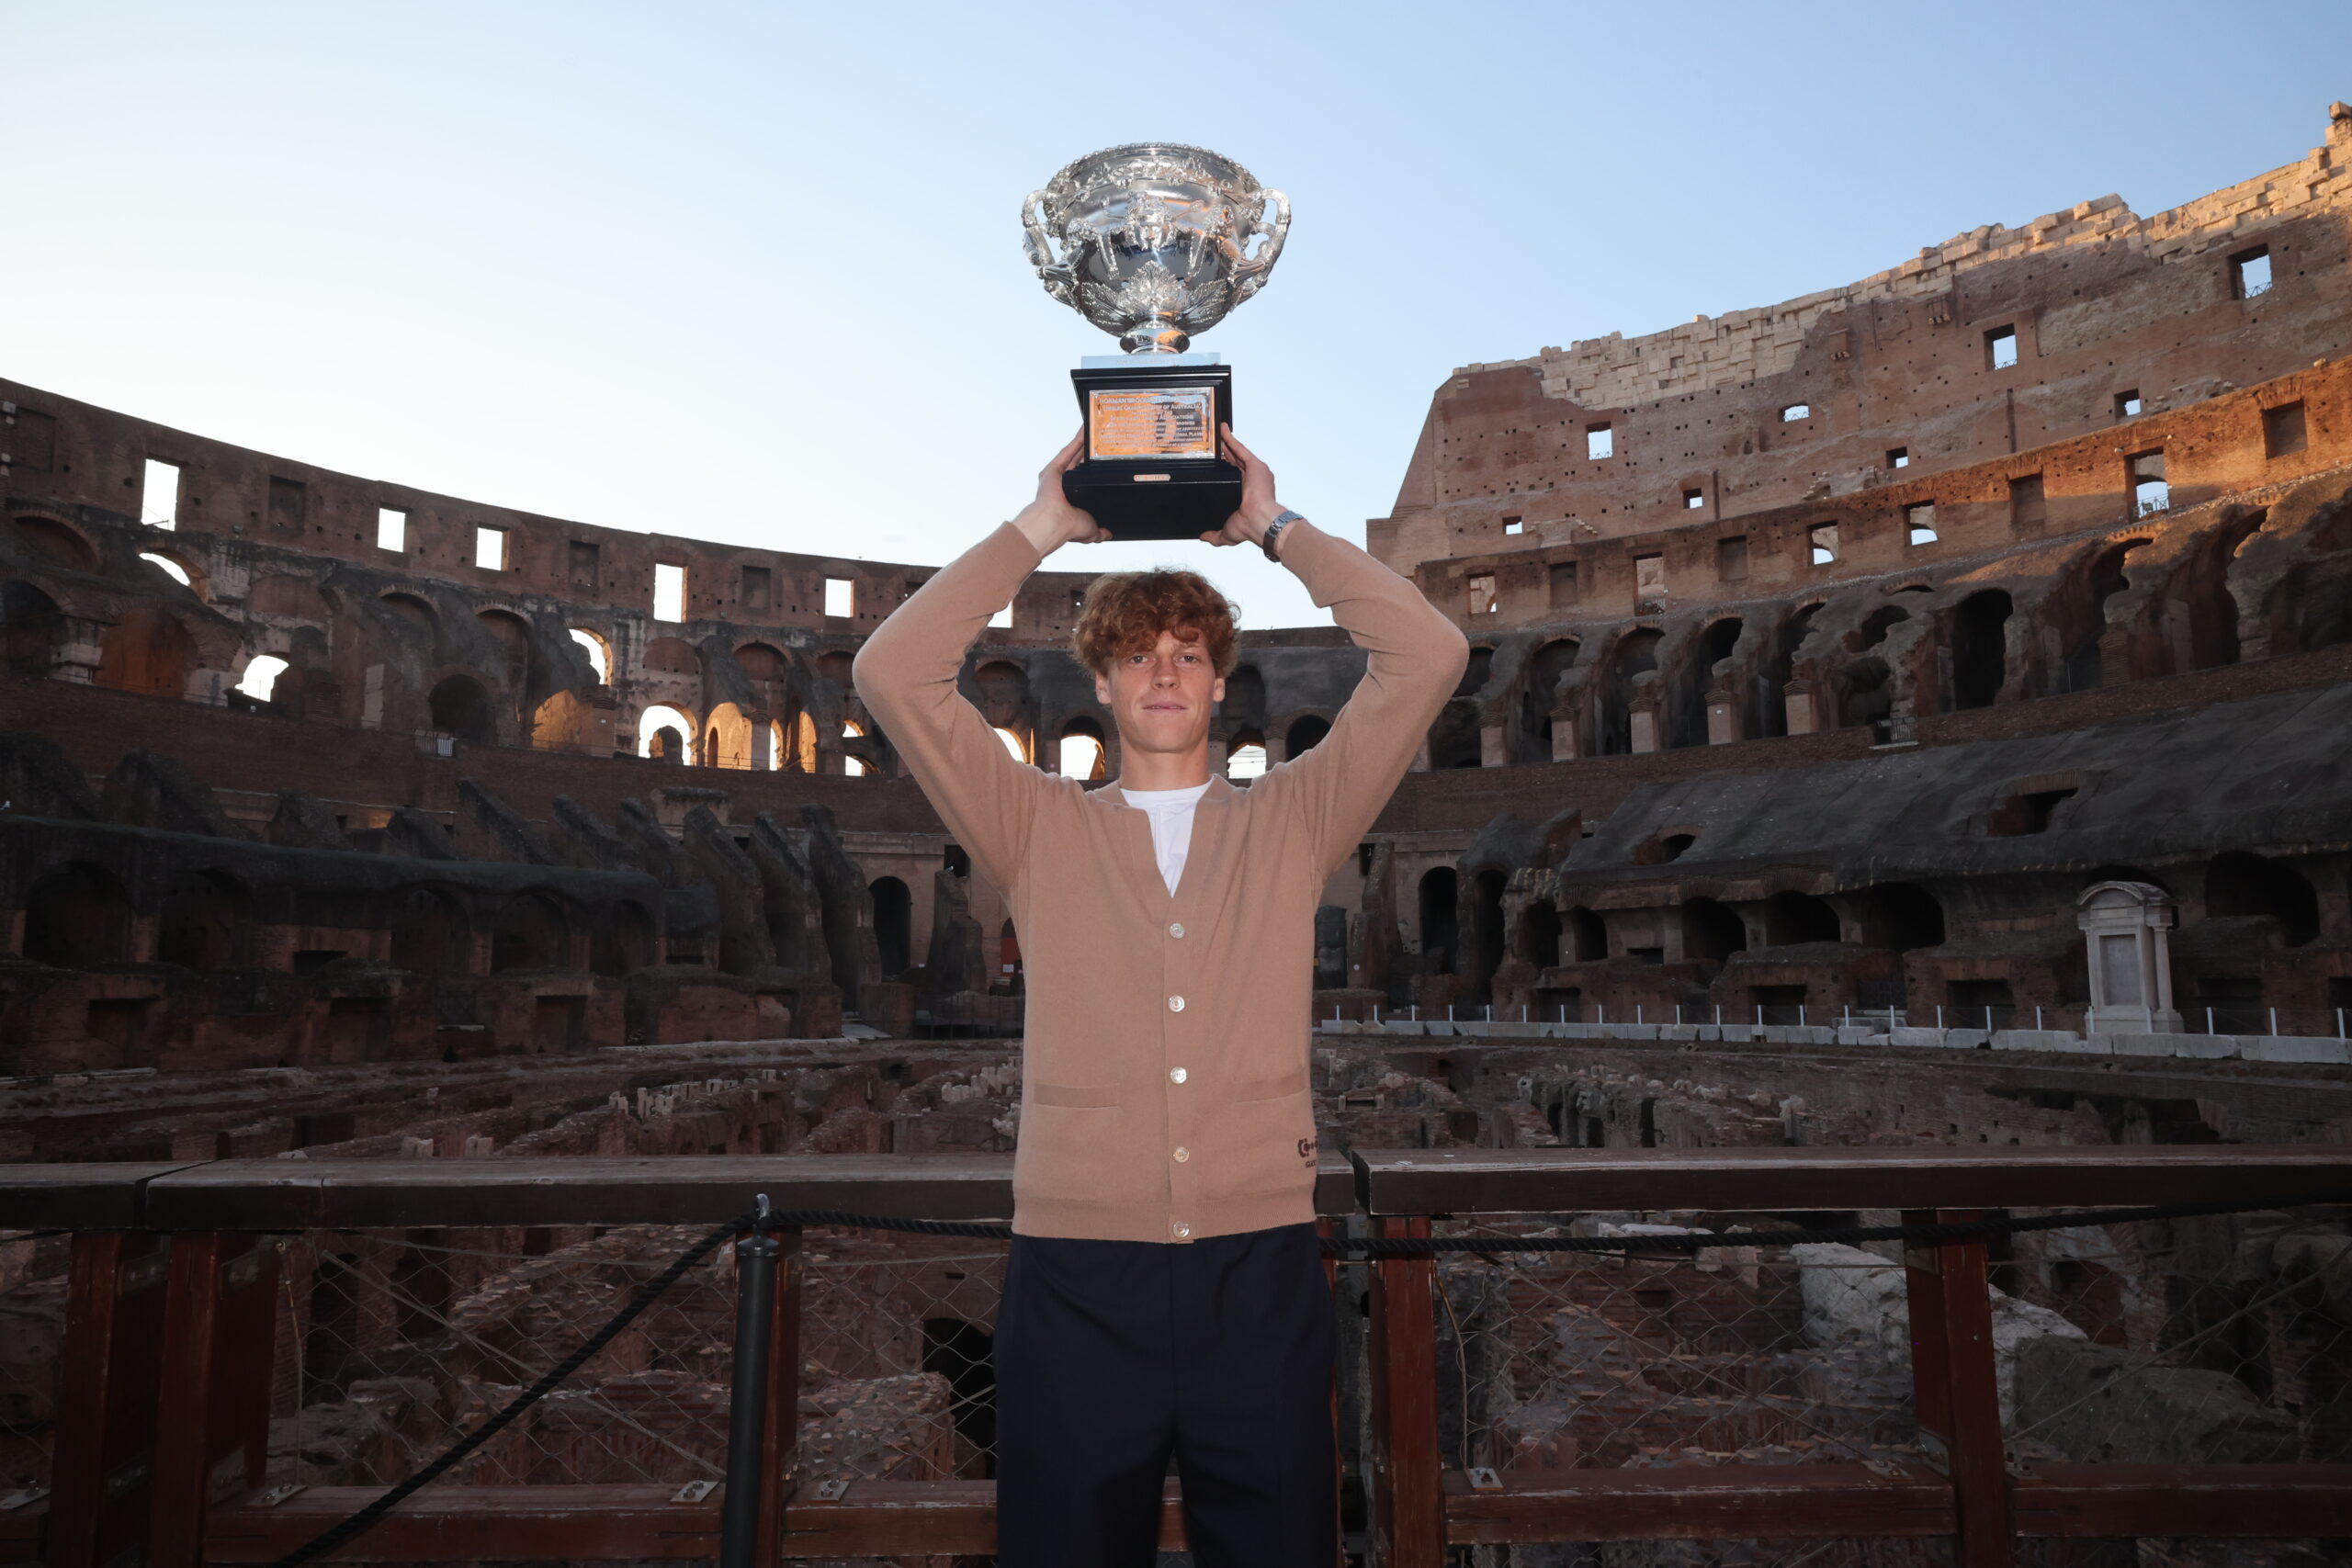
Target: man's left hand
<point x="1258" y="507"/>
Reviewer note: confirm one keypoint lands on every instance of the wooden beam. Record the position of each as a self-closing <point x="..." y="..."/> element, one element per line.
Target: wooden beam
<point x="892" y="1518"/>
<point x="1408" y="1474"/>
<point x="1549" y="1180"/>
<point x="102" y="1457"/>
<point x="1696" y="1503"/>
<point x="212" y="1412"/>
<point x="458" y="1523"/>
<point x="2185" y="1499"/>
<point x="95" y="1195"/>
<point x="1957" y="1389"/>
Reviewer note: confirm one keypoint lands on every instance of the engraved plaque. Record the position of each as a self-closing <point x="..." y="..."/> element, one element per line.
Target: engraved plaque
<point x="1154" y="423"/>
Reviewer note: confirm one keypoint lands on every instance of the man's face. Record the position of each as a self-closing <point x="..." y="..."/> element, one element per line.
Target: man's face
<point x="1163" y="698"/>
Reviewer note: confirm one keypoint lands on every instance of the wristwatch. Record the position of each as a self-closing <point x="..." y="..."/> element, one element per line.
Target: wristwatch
<point x="1273" y="531"/>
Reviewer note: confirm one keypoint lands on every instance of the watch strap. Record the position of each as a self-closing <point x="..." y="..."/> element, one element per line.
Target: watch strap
<point x="1274" y="532"/>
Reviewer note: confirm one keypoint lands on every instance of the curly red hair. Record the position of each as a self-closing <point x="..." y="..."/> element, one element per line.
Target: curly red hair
<point x="1125" y="612"/>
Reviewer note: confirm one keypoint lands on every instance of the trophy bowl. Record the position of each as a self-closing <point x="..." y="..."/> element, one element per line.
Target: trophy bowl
<point x="1154" y="241"/>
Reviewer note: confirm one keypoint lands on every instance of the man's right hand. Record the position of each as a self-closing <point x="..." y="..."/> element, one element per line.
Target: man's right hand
<point x="1051" y="521"/>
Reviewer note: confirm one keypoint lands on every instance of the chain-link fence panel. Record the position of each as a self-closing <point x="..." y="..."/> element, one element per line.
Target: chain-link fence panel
<point x="32" y="1335"/>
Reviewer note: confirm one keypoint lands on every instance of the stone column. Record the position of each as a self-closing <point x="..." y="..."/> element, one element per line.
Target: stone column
<point x="77" y="656"/>
<point x="2123" y="926"/>
<point x="1492" y="750"/>
<point x="1723" y="716"/>
<point x="1803" y="710"/>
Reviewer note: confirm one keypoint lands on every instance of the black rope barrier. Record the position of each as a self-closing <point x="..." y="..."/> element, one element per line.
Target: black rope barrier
<point x="1357" y="1249"/>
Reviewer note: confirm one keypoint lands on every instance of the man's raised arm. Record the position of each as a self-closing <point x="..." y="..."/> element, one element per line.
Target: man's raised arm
<point x="906" y="674"/>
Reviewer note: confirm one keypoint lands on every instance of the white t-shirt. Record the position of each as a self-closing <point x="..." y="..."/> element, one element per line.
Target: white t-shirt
<point x="1171" y="811"/>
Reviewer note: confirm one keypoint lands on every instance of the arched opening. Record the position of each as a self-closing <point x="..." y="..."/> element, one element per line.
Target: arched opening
<point x="623" y="940"/>
<point x="1688" y="720"/>
<point x="1487" y="923"/>
<point x="839" y="668"/>
<point x="1635" y="654"/>
<point x="1793" y="918"/>
<point x="460" y="707"/>
<point x="562" y="723"/>
<point x="673" y="656"/>
<point x="529" y="933"/>
<point x="1014" y="743"/>
<point x="1081" y="754"/>
<point x="2212" y="608"/>
<point x="1712" y="930"/>
<point x="411" y="610"/>
<point x="665" y="734"/>
<point x="1441" y="923"/>
<point x="1979" y="649"/>
<point x="148" y="651"/>
<point x="856" y="766"/>
<point x="206" y="922"/>
<point x="2083" y="670"/>
<point x="1475" y="673"/>
<point x="894" y="923"/>
<point x="1773" y="675"/>
<point x="598" y="652"/>
<point x="727" y="738"/>
<point x="77" y="915"/>
<point x="1303" y="735"/>
<point x="1539" y="934"/>
<point x="177" y="571"/>
<point x="1906" y="914"/>
<point x="1864" y="696"/>
<point x="32" y="626"/>
<point x="2238" y="884"/>
<point x="260" y="679"/>
<point x="1247" y="758"/>
<point x="1453" y="737"/>
<point x="804" y="744"/>
<point x="1554" y="660"/>
<point x="1587" y="936"/>
<point x="1243" y="706"/>
<point x="430" y="933"/>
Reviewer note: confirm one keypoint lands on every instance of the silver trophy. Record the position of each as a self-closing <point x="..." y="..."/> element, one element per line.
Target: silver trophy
<point x="1154" y="241"/>
<point x="1157" y="242"/>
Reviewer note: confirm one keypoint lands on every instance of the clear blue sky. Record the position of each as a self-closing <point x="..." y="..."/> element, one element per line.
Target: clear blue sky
<point x="752" y="272"/>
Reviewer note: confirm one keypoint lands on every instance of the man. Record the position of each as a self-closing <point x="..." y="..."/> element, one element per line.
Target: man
<point x="1164" y="1297"/>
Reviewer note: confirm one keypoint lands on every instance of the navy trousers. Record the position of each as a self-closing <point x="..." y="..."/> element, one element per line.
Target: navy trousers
<point x="1112" y="1355"/>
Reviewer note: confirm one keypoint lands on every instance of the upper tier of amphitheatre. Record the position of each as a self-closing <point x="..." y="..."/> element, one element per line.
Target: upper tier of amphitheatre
<point x="1996" y="341"/>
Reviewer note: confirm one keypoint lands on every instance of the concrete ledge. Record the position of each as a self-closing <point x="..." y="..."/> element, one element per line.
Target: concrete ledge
<point x="2205" y="1047"/>
<point x="2050" y="1040"/>
<point x="2295" y="1048"/>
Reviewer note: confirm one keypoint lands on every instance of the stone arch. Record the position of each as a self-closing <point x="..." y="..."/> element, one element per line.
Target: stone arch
<point x="673" y="656"/>
<point x="1243" y="706"/>
<point x="1791" y="919"/>
<point x="2210" y="606"/>
<point x="1585" y="937"/>
<point x="562" y="723"/>
<point x="1304" y="733"/>
<point x="894" y="923"/>
<point x="1441" y="918"/>
<point x="1712" y="930"/>
<point x="147" y="650"/>
<point x="728" y="738"/>
<point x="1635" y="654"/>
<point x="415" y="610"/>
<point x="77" y="915"/>
<point x="430" y="932"/>
<point x="57" y="541"/>
<point x="1541" y="694"/>
<point x="32" y="629"/>
<point x="666" y="734"/>
<point x="1978" y="630"/>
<point x="206" y="922"/>
<point x="2240" y="884"/>
<point x="804" y="744"/>
<point x="1081" y="752"/>
<point x="1538" y="937"/>
<point x="2083" y="668"/>
<point x="1779" y="668"/>
<point x="458" y="706"/>
<point x="623" y="940"/>
<point x="512" y="633"/>
<point x="1900" y="915"/>
<point x="181" y="569"/>
<point x="531" y="932"/>
<point x="1687" y="723"/>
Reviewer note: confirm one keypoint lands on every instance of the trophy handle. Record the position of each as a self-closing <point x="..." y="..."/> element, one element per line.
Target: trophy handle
<point x="1250" y="276"/>
<point x="1040" y="247"/>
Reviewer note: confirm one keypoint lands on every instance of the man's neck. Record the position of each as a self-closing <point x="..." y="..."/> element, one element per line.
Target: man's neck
<point x="1164" y="769"/>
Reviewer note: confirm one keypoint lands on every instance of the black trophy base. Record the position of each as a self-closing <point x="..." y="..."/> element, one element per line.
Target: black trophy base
<point x="1179" y="493"/>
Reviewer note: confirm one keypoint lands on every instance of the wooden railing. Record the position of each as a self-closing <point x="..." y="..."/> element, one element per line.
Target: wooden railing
<point x="164" y="1392"/>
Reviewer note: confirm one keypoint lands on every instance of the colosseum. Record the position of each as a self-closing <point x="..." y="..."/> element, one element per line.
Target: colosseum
<point x="1912" y="715"/>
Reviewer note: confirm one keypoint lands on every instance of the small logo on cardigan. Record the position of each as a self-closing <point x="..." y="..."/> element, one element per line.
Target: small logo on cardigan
<point x="1306" y="1148"/>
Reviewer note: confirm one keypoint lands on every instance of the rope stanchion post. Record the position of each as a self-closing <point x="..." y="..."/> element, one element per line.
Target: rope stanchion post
<point x="747" y="1414"/>
<point x="1407" y="1472"/>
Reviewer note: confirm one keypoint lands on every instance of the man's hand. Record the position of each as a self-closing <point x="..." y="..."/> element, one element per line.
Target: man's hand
<point x="1051" y="521"/>
<point x="1258" y="507"/>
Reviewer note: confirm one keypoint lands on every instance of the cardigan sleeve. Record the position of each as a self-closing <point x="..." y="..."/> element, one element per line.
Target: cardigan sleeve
<point x="906" y="675"/>
<point x="1414" y="660"/>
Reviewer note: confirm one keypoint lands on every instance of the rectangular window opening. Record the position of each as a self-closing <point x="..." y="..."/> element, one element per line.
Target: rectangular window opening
<point x="1919" y="524"/>
<point x="2000" y="348"/>
<point x="755" y="587"/>
<point x="1899" y="456"/>
<point x="2149" y="490"/>
<point x="2029" y="510"/>
<point x="1514" y="525"/>
<point x="1796" y="411"/>
<point x="2250" y="273"/>
<point x="1731" y="559"/>
<point x="841" y="597"/>
<point x="2283" y="430"/>
<point x="582" y="556"/>
<point x="1649" y="576"/>
<point x="1694" y="499"/>
<point x="490" y="549"/>
<point x="159" y="495"/>
<point x="2126" y="404"/>
<point x="669" y="592"/>
<point x="1822" y="538"/>
<point x="392" y="529"/>
<point x="1600" y="442"/>
<point x="1482" y="593"/>
<point x="1562" y="584"/>
<point x="288" y="501"/>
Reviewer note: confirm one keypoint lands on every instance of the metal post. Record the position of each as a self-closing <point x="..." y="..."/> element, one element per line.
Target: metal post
<point x="1375" y="1015"/>
<point x="1638" y="1012"/>
<point x="1490" y="1012"/>
<point x="1759" y="1015"/>
<point x="739" y="1520"/>
<point x="1940" y="1015"/>
<point x="2339" y="1023"/>
<point x="1988" y="1020"/>
<point x="2209" y="1020"/>
<point x="2036" y="1019"/>
<point x="1719" y="1015"/>
<point x="1677" y="1015"/>
<point x="1602" y="1009"/>
<point x="1801" y="1015"/>
<point x="1413" y="1013"/>
<point x="2274" y="1022"/>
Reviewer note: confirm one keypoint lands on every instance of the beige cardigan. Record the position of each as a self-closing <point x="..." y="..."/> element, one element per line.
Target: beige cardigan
<point x="1164" y="1077"/>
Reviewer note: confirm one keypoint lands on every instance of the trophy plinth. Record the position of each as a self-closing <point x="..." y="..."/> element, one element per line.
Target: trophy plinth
<point x="1151" y="468"/>
<point x="1155" y="246"/>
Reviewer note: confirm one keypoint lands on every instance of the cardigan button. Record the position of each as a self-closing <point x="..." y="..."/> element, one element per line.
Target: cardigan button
<point x="1175" y="1075"/>
<point x="1182" y="1230"/>
<point x="1175" y="1004"/>
<point x="1183" y="1154"/>
<point x="1176" y="927"/>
